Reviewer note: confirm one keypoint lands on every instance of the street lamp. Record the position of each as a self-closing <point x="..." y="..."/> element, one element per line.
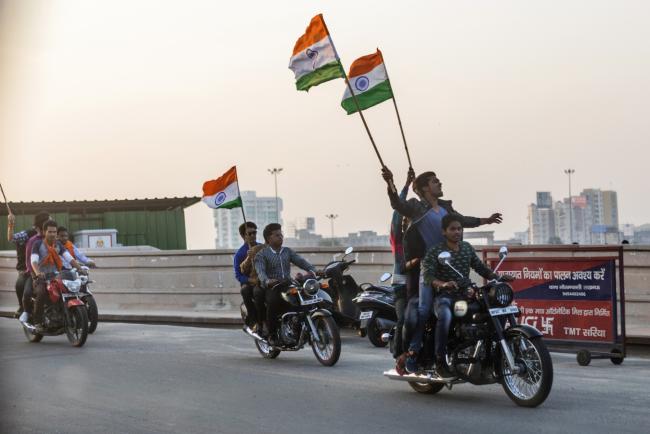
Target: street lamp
<point x="570" y="172"/>
<point x="274" y="171"/>
<point x="332" y="217"/>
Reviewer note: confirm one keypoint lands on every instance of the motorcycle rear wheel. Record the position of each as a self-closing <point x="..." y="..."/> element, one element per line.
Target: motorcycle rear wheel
<point x="31" y="337"/>
<point x="426" y="387"/>
<point x="266" y="351"/>
<point x="374" y="334"/>
<point x="531" y="388"/>
<point x="328" y="350"/>
<point x="93" y="314"/>
<point x="77" y="330"/>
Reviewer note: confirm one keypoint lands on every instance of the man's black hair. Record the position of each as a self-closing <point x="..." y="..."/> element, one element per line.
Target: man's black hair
<point x="421" y="180"/>
<point x="61" y="229"/>
<point x="41" y="218"/>
<point x="449" y="219"/>
<point x="269" y="229"/>
<point x="48" y="224"/>
<point x="243" y="226"/>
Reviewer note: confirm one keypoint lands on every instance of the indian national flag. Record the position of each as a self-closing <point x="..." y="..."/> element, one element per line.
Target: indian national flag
<point x="314" y="60"/>
<point x="223" y="192"/>
<point x="369" y="81"/>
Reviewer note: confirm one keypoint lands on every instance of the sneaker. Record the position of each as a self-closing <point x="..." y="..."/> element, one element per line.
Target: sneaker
<point x="24" y="317"/>
<point x="411" y="364"/>
<point x="442" y="369"/>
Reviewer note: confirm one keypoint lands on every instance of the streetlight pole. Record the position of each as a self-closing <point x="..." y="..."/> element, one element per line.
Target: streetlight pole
<point x="332" y="217"/>
<point x="274" y="171"/>
<point x="570" y="172"/>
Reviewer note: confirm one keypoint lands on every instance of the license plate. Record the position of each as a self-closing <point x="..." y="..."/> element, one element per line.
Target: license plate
<point x="365" y="315"/>
<point x="312" y="300"/>
<point x="504" y="310"/>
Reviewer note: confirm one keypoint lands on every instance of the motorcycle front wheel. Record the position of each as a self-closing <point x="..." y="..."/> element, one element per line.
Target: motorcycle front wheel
<point x="328" y="349"/>
<point x="77" y="328"/>
<point x="93" y="314"/>
<point x="532" y="386"/>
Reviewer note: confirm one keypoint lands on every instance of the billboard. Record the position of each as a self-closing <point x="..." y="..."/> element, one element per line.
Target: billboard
<point x="571" y="299"/>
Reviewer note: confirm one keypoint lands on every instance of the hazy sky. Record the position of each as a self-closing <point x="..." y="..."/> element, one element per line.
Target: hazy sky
<point x="149" y="98"/>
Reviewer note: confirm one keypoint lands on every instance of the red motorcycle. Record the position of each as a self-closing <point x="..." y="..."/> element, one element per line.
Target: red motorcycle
<point x="65" y="311"/>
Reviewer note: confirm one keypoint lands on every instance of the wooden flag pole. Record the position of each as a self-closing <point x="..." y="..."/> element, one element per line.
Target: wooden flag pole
<point x="240" y="198"/>
<point x="356" y="103"/>
<point x="399" y="120"/>
<point x="5" y="199"/>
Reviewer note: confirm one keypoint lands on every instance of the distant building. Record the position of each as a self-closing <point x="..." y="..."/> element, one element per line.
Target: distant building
<point x="291" y="227"/>
<point x="541" y="219"/>
<point x="260" y="210"/>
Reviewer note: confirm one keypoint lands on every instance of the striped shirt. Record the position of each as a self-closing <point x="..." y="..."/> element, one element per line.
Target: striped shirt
<point x="270" y="264"/>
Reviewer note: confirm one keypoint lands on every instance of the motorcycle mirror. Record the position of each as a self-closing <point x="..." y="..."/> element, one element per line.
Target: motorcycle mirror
<point x="503" y="252"/>
<point x="349" y="250"/>
<point x="384" y="277"/>
<point x="444" y="258"/>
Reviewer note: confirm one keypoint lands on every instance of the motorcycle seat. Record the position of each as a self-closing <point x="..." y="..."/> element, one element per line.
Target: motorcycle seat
<point x="371" y="287"/>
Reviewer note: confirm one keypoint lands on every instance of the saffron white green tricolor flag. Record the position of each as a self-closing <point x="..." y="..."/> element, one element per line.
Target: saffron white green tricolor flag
<point x="370" y="82"/>
<point x="314" y="60"/>
<point x="223" y="192"/>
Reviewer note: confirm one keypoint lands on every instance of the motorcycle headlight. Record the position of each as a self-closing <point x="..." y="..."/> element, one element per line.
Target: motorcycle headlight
<point x="311" y="286"/>
<point x="501" y="294"/>
<point x="73" y="285"/>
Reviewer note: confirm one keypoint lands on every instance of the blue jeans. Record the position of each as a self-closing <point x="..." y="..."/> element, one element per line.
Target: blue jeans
<point x="442" y="308"/>
<point x="425" y="305"/>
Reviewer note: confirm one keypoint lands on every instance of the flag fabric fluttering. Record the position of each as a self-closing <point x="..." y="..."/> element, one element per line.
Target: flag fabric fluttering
<point x="314" y="59"/>
<point x="369" y="80"/>
<point x="223" y="192"/>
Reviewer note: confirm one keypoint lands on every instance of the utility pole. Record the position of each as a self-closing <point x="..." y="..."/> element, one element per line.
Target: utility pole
<point x="332" y="217"/>
<point x="570" y="172"/>
<point x="274" y="171"/>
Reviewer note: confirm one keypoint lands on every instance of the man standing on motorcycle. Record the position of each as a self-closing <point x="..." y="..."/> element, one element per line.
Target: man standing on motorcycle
<point x="273" y="265"/>
<point x="248" y="232"/>
<point x="46" y="259"/>
<point x="397" y="228"/>
<point x="447" y="286"/>
<point x="248" y="269"/>
<point x="426" y="216"/>
<point x="20" y="239"/>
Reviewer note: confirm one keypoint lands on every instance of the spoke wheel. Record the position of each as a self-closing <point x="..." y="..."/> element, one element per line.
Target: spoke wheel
<point x="266" y="350"/>
<point x="77" y="328"/>
<point x="31" y="337"/>
<point x="530" y="387"/>
<point x="328" y="349"/>
<point x="426" y="387"/>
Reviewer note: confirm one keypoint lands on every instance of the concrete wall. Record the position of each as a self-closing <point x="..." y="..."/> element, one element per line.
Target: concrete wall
<point x="200" y="284"/>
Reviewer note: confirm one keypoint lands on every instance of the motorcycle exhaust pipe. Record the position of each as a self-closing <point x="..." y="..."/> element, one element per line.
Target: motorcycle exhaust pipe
<point x="418" y="378"/>
<point x="385" y="337"/>
<point x="253" y="335"/>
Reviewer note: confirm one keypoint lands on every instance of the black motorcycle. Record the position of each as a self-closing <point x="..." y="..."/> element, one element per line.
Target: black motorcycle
<point x="376" y="305"/>
<point x="485" y="346"/>
<point x="304" y="321"/>
<point x="342" y="289"/>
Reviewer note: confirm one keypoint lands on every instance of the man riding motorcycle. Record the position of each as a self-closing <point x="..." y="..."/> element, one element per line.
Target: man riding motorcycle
<point x="447" y="287"/>
<point x="273" y="265"/>
<point x="46" y="259"/>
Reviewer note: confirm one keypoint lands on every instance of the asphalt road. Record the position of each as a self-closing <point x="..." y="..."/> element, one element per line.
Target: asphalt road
<point x="131" y="378"/>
